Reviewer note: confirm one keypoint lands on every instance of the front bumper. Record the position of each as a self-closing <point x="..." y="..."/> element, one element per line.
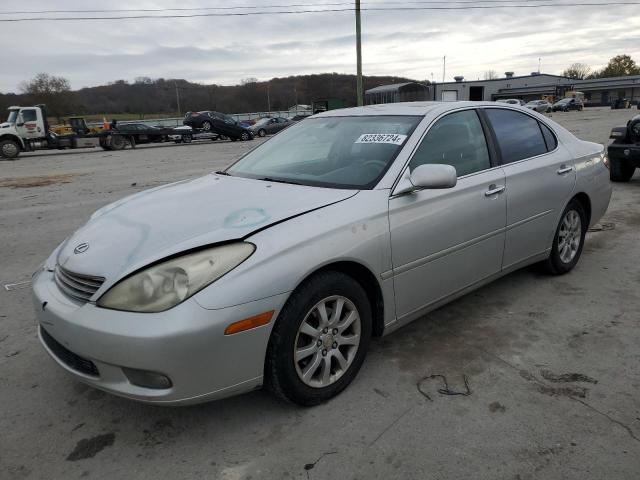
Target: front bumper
<point x="186" y="343"/>
<point x="625" y="152"/>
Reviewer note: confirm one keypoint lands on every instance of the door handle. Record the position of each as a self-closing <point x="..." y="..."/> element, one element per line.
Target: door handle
<point x="564" y="169"/>
<point x="493" y="190"/>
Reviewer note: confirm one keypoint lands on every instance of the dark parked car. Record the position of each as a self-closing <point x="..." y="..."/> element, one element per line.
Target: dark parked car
<point x="216" y="122"/>
<point x="141" y="132"/>
<point x="624" y="150"/>
<point x="269" y="126"/>
<point x="567" y="104"/>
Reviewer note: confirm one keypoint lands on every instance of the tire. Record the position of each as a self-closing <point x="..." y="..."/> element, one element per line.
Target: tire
<point x="244" y="136"/>
<point x="206" y="126"/>
<point x="177" y="140"/>
<point x="234" y="139"/>
<point x="561" y="261"/>
<point x="284" y="375"/>
<point x="9" y="149"/>
<point x="620" y="171"/>
<point x="223" y="137"/>
<point x="187" y="138"/>
<point x="262" y="132"/>
<point x="116" y="142"/>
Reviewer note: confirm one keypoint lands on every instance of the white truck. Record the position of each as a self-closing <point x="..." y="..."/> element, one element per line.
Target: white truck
<point x="27" y="129"/>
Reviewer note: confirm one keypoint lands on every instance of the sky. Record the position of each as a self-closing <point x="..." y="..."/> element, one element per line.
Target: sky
<point x="225" y="50"/>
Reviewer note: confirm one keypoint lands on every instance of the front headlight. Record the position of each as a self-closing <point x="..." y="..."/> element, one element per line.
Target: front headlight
<point x="166" y="284"/>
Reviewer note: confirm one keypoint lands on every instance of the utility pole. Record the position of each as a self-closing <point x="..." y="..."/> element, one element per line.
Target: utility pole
<point x="539" y="60"/>
<point x="268" y="99"/>
<point x="444" y="67"/>
<point x="359" y="54"/>
<point x="177" y="98"/>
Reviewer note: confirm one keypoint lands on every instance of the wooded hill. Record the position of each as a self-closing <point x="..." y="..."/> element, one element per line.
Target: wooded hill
<point x="146" y="96"/>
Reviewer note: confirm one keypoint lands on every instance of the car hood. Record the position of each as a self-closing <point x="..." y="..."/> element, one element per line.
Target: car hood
<point x="151" y="225"/>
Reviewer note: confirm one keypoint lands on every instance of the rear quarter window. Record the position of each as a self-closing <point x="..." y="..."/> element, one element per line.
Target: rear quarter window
<point x="549" y="137"/>
<point x="519" y="136"/>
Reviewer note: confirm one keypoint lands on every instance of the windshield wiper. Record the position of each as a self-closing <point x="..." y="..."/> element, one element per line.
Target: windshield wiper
<point x="220" y="172"/>
<point x="277" y="180"/>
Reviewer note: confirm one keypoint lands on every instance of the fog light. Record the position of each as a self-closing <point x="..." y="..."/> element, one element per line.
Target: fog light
<point x="145" y="379"/>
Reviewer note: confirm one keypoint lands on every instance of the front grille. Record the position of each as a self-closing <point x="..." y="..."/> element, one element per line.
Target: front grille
<point x="70" y="359"/>
<point x="78" y="286"/>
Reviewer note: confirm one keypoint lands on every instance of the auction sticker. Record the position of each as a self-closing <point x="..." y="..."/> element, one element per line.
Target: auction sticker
<point x="393" y="138"/>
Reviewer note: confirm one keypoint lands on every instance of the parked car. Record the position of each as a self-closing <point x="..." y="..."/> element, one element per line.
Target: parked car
<point x="567" y="104"/>
<point x="216" y="122"/>
<point x="141" y="133"/>
<point x="624" y="150"/>
<point x="511" y="101"/>
<point x="540" y="106"/>
<point x="278" y="270"/>
<point x="269" y="126"/>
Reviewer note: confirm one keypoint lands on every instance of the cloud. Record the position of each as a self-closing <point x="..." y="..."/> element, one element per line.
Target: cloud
<point x="225" y="50"/>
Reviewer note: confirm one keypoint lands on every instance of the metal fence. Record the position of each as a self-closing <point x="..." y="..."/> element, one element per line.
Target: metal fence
<point x="177" y="121"/>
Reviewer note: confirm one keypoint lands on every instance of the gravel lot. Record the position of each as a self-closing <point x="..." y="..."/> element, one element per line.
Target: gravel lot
<point x="514" y="340"/>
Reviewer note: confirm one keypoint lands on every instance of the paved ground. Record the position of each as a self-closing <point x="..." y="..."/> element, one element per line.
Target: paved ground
<point x="513" y="340"/>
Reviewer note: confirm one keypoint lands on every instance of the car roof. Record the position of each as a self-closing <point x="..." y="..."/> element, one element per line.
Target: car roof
<point x="402" y="108"/>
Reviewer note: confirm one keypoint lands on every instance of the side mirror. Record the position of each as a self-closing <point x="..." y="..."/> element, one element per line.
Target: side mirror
<point x="20" y="120"/>
<point x="430" y="175"/>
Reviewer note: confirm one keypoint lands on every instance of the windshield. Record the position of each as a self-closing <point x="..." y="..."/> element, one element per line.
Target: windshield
<point x="335" y="152"/>
<point x="13" y="115"/>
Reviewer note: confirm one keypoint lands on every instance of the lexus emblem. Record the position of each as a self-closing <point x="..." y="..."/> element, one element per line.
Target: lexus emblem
<point x="83" y="247"/>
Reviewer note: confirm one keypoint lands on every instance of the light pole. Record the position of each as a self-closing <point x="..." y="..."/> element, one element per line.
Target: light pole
<point x="358" y="55"/>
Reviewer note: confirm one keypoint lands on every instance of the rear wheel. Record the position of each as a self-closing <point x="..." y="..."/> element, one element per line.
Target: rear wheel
<point x="9" y="149"/>
<point x="262" y="132"/>
<point x="568" y="240"/>
<point x="116" y="142"/>
<point x="320" y="339"/>
<point x="206" y="126"/>
<point x="620" y="171"/>
<point x="244" y="136"/>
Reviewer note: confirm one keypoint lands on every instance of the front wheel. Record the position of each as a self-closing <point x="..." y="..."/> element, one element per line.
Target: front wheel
<point x="187" y="138"/>
<point x="320" y="339"/>
<point x="262" y="132"/>
<point x="244" y="136"/>
<point x="568" y="240"/>
<point x="9" y="149"/>
<point x="620" y="171"/>
<point x="206" y="126"/>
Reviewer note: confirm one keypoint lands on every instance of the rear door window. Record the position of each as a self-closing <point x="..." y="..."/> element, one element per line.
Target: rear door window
<point x="518" y="135"/>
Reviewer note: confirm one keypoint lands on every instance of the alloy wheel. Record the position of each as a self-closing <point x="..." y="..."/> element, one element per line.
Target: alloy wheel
<point x="569" y="236"/>
<point x="327" y="341"/>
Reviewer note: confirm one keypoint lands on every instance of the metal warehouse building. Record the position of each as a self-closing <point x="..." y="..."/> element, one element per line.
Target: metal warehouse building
<point x="528" y="87"/>
<point x="398" y="92"/>
<point x="597" y="92"/>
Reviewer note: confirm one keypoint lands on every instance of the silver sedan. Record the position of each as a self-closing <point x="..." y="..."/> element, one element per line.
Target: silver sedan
<point x="280" y="269"/>
<point x="541" y="106"/>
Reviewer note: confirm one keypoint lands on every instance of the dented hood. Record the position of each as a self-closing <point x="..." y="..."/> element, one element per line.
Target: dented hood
<point x="148" y="226"/>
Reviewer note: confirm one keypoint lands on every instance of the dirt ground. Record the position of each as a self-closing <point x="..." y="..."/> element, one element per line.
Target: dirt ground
<point x="552" y="364"/>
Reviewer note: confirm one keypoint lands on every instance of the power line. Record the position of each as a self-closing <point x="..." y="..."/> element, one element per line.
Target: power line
<point x="332" y="10"/>
<point x="253" y="7"/>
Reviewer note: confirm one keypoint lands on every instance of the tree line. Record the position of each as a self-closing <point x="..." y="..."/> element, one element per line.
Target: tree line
<point x="618" y="66"/>
<point x="146" y="96"/>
